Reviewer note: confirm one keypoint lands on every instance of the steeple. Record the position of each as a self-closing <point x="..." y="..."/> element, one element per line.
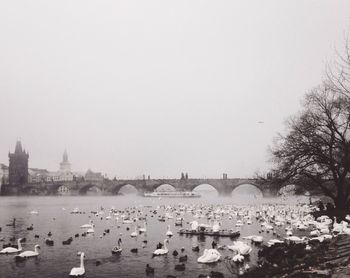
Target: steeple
<point x="65" y="166"/>
<point x="18" y="148"/>
<point x="65" y="156"/>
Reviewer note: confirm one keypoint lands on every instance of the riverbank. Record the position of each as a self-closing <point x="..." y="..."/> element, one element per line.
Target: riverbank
<point x="330" y="258"/>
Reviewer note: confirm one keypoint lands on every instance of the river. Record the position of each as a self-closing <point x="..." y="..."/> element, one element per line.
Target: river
<point x="54" y="216"/>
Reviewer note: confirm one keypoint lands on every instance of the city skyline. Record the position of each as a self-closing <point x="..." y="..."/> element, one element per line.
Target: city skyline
<point x="197" y="88"/>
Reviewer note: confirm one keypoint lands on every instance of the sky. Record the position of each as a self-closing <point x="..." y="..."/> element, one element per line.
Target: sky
<point x="159" y="87"/>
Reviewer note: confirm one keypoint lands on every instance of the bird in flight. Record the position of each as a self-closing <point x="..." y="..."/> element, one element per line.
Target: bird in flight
<point x="260" y="122"/>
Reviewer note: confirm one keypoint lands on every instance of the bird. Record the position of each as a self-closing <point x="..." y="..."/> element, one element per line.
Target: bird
<point x="149" y="269"/>
<point x="78" y="271"/>
<point x="162" y="251"/>
<point x="180" y="267"/>
<point x="169" y="233"/>
<point x="9" y="250"/>
<point x="144" y="229"/>
<point x="175" y="253"/>
<point x="183" y="258"/>
<point x="28" y="254"/>
<point x="134" y="233"/>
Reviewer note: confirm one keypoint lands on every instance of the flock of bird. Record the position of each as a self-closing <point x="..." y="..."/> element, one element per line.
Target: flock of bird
<point x="276" y="224"/>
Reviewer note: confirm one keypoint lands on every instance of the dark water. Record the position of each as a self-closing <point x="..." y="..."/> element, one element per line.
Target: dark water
<point x="56" y="261"/>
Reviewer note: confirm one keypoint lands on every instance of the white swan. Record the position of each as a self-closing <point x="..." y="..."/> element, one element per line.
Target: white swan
<point x="240" y="247"/>
<point x="88" y="226"/>
<point x="27" y="254"/>
<point x="238" y="258"/>
<point x="169" y="233"/>
<point x="10" y="250"/>
<point x="134" y="233"/>
<point x="78" y="271"/>
<point x="209" y="256"/>
<point x="144" y="229"/>
<point x="162" y="251"/>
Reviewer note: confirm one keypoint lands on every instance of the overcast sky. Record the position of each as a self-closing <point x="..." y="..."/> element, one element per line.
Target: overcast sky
<point x="159" y="87"/>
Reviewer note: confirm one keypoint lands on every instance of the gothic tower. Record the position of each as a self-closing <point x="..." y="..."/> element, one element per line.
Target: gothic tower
<point x="18" y="166"/>
<point x="65" y="166"/>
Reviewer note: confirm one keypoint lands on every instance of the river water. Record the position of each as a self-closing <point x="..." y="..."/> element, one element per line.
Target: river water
<point x="55" y="217"/>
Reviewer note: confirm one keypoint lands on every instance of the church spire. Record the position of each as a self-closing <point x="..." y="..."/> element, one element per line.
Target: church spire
<point x="65" y="156"/>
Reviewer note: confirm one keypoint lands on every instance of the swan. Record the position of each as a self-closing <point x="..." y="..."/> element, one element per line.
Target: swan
<point x="194" y="226"/>
<point x="10" y="250"/>
<point x="78" y="271"/>
<point x="27" y="254"/>
<point x="117" y="249"/>
<point x="240" y="247"/>
<point x="134" y="233"/>
<point x="169" y="233"/>
<point x="162" y="251"/>
<point x="88" y="226"/>
<point x="209" y="256"/>
<point x="90" y="231"/>
<point x="296" y="239"/>
<point x="238" y="258"/>
<point x="144" y="229"/>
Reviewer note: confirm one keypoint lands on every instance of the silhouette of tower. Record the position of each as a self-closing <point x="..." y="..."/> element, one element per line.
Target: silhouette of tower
<point x="18" y="166"/>
<point x="65" y="166"/>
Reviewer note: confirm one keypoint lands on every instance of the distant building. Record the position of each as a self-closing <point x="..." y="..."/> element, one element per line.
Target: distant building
<point x="64" y="173"/>
<point x="18" y="166"/>
<point x="37" y="175"/>
<point x="92" y="176"/>
<point x="65" y="166"/>
<point x="4" y="174"/>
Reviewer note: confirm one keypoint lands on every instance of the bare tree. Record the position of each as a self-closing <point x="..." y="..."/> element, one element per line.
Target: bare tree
<point x="316" y="148"/>
<point x="338" y="72"/>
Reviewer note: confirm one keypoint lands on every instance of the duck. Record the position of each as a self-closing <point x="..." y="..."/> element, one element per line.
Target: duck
<point x="180" y="267"/>
<point x="28" y="254"/>
<point x="183" y="258"/>
<point x="169" y="233"/>
<point x="78" y="271"/>
<point x="10" y="250"/>
<point x="162" y="251"/>
<point x="209" y="256"/>
<point x="149" y="269"/>
<point x="175" y="253"/>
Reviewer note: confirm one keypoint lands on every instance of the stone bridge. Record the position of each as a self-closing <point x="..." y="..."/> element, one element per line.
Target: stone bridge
<point x="112" y="187"/>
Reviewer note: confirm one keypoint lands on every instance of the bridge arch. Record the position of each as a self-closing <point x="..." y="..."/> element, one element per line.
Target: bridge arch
<point x="164" y="187"/>
<point x="127" y="189"/>
<point x="63" y="190"/>
<point x="116" y="189"/>
<point x="205" y="187"/>
<point x="247" y="189"/>
<point x="84" y="190"/>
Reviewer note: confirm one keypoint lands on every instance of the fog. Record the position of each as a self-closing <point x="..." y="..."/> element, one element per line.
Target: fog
<point x="157" y="87"/>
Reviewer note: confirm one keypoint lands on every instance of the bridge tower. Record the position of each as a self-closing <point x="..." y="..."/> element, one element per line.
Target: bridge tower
<point x="18" y="166"/>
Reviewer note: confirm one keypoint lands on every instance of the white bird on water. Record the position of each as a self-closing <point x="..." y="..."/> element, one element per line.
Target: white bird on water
<point x="169" y="233"/>
<point x="162" y="251"/>
<point x="78" y="271"/>
<point x="28" y="254"/>
<point x="9" y="250"/>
